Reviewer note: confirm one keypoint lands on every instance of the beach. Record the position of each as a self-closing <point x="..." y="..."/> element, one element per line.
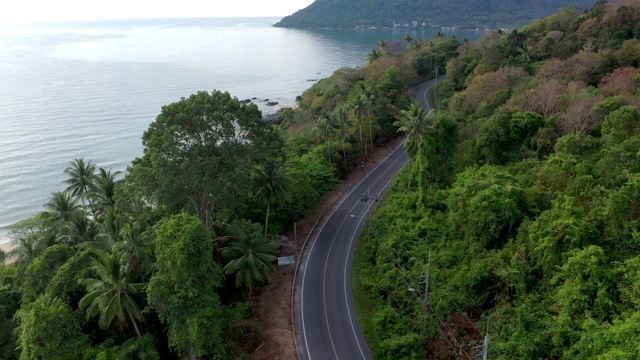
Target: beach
<point x="6" y="247"/>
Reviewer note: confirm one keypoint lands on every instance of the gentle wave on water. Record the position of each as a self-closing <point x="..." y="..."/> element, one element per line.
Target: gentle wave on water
<point x="91" y="89"/>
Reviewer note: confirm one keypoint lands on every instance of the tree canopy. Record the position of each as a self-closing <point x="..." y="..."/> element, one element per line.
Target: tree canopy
<point x="522" y="206"/>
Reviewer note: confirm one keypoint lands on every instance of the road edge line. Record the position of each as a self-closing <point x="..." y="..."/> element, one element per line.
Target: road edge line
<point x="344" y="197"/>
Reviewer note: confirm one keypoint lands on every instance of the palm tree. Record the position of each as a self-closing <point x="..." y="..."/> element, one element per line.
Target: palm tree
<point x="80" y="230"/>
<point x="382" y="46"/>
<point x="341" y="119"/>
<point x="415" y="45"/>
<point x="136" y="252"/>
<point x="368" y="95"/>
<point x="251" y="260"/>
<point x="409" y="39"/>
<point x="414" y="122"/>
<point x="26" y="249"/>
<point x="102" y="236"/>
<point x="373" y="55"/>
<point x="325" y="126"/>
<point x="81" y="179"/>
<point x="104" y="189"/>
<point x="61" y="208"/>
<point x="358" y="105"/>
<point x="110" y="226"/>
<point x="111" y="293"/>
<point x="275" y="186"/>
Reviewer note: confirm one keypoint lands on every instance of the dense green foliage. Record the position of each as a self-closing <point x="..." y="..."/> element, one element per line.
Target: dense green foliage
<point x="524" y="188"/>
<point x="467" y="14"/>
<point x="184" y="285"/>
<point x="167" y="261"/>
<point x="135" y="267"/>
<point x="532" y="222"/>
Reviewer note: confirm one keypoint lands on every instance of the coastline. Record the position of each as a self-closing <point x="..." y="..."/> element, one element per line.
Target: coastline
<point x="7" y="247"/>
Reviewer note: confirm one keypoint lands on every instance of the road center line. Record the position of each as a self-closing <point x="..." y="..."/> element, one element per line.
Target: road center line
<point x="304" y="330"/>
<point x="326" y="267"/>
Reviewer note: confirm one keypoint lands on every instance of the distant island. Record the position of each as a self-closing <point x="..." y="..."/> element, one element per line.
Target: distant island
<point x="468" y="14"/>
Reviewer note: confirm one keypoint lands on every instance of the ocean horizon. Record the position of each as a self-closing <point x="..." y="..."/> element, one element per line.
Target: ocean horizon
<point x="90" y="89"/>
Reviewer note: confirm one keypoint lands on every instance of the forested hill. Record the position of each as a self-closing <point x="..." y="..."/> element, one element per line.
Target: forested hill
<point x="463" y="13"/>
<point x="521" y="198"/>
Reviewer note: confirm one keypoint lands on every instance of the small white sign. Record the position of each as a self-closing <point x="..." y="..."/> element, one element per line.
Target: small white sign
<point x="286" y="260"/>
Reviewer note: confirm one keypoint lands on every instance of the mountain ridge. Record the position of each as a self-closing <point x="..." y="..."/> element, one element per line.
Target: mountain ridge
<point x="418" y="13"/>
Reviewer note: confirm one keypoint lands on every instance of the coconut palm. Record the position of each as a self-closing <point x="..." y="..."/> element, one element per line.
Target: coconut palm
<point x="26" y="249"/>
<point x="110" y="293"/>
<point x="368" y="95"/>
<point x="414" y="122"/>
<point x="252" y="260"/>
<point x="80" y="230"/>
<point x="415" y="45"/>
<point x="358" y="108"/>
<point x="275" y="186"/>
<point x="81" y="179"/>
<point x="61" y="208"/>
<point x="103" y="235"/>
<point x="110" y="226"/>
<point x="324" y="127"/>
<point x="104" y="189"/>
<point x="136" y="252"/>
<point x="373" y="55"/>
<point x="382" y="45"/>
<point x="344" y="124"/>
<point x="409" y="39"/>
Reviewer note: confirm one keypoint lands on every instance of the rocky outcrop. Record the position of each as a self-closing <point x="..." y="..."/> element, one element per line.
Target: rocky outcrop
<point x="275" y="118"/>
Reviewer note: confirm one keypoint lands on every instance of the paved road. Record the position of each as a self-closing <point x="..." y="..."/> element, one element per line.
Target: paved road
<point x="329" y="324"/>
<point x="421" y="92"/>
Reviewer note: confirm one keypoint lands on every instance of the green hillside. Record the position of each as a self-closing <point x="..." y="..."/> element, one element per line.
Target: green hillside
<point x="524" y="192"/>
<point x="523" y="189"/>
<point x="463" y="13"/>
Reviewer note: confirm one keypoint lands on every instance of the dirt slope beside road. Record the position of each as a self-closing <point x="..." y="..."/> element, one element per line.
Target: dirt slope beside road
<point x="274" y="304"/>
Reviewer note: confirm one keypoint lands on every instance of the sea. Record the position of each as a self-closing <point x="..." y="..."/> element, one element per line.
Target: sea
<point x="90" y="89"/>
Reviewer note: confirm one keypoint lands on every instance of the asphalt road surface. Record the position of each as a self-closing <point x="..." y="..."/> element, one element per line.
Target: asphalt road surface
<point x="326" y="312"/>
<point x="421" y="92"/>
<point x="330" y="326"/>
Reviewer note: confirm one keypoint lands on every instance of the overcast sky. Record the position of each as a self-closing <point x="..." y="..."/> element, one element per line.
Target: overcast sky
<point x="13" y="11"/>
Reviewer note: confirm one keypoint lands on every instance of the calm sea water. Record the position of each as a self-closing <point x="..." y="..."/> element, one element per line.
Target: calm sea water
<point x="91" y="89"/>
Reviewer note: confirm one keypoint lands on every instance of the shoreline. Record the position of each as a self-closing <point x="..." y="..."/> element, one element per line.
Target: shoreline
<point x="7" y="247"/>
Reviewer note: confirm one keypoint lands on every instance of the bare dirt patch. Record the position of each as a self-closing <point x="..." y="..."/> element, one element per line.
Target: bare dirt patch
<point x="274" y="300"/>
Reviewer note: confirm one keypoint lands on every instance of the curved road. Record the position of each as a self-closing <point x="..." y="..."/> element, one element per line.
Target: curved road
<point x="328" y="324"/>
<point x="421" y="92"/>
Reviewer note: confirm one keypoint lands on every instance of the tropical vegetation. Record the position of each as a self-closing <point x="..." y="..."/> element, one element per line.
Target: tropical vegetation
<point x="168" y="259"/>
<point x="520" y="203"/>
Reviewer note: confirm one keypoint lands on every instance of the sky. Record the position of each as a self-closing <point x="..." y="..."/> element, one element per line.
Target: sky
<point x="29" y="11"/>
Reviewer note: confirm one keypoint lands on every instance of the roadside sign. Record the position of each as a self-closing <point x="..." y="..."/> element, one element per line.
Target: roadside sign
<point x="286" y="260"/>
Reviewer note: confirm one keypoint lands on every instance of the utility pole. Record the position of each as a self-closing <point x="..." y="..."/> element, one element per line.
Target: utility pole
<point x="484" y="352"/>
<point x="295" y="237"/>
<point x="485" y="347"/>
<point x="364" y="198"/>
